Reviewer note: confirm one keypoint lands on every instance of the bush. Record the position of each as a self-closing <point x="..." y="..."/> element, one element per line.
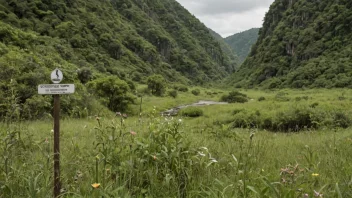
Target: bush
<point x="261" y="98"/>
<point x="84" y="75"/>
<point x="234" y="97"/>
<point x="180" y="87"/>
<point x="172" y="93"/>
<point x="191" y="112"/>
<point x="196" y="92"/>
<point x="115" y="93"/>
<point x="342" y="120"/>
<point x="156" y="84"/>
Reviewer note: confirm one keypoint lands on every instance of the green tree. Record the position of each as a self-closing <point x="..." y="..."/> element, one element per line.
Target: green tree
<point x="156" y="84"/>
<point x="113" y="92"/>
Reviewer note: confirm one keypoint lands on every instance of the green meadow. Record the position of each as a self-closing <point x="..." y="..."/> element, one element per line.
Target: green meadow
<point x="281" y="143"/>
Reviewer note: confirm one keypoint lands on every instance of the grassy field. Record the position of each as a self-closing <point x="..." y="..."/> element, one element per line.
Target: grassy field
<point x="291" y="143"/>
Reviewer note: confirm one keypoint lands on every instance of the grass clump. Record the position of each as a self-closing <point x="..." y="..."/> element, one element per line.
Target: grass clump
<point x="180" y="87"/>
<point x="196" y="92"/>
<point x="261" y="98"/>
<point x="192" y="112"/>
<point x="234" y="97"/>
<point x="172" y="93"/>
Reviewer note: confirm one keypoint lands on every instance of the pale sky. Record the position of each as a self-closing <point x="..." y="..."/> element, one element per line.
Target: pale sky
<point x="228" y="17"/>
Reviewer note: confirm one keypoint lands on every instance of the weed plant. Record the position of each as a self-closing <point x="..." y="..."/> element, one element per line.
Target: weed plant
<point x="153" y="156"/>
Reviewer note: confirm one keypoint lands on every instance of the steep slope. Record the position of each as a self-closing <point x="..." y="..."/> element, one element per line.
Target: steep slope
<point x="131" y="39"/>
<point x="242" y="42"/>
<point x="233" y="58"/>
<point x="302" y="43"/>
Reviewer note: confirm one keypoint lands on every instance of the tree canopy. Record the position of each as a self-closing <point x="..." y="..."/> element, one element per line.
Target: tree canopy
<point x="302" y="43"/>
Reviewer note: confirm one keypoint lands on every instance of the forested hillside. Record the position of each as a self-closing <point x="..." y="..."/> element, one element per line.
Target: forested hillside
<point x="226" y="49"/>
<point x="302" y="43"/>
<point x="90" y="39"/>
<point x="241" y="43"/>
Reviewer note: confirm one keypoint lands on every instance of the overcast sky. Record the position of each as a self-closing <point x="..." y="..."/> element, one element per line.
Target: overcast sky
<point x="228" y="17"/>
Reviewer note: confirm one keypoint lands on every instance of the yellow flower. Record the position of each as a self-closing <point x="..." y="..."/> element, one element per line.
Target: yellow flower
<point x="96" y="185"/>
<point x="315" y="174"/>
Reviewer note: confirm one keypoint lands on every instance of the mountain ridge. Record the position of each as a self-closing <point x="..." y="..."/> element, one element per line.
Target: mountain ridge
<point x="226" y="48"/>
<point x="302" y="44"/>
<point x="241" y="43"/>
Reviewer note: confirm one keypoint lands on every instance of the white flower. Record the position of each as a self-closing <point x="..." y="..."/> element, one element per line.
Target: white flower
<point x="52" y="130"/>
<point x="180" y="120"/>
<point x="213" y="160"/>
<point x="205" y="148"/>
<point x="201" y="154"/>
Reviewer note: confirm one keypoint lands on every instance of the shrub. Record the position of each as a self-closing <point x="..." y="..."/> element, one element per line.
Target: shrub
<point x="196" y="92"/>
<point x="341" y="120"/>
<point x="172" y="93"/>
<point x="156" y="84"/>
<point x="84" y="75"/>
<point x="115" y="93"/>
<point x="314" y="105"/>
<point x="191" y="112"/>
<point x="180" y="87"/>
<point x="261" y="98"/>
<point x="234" y="97"/>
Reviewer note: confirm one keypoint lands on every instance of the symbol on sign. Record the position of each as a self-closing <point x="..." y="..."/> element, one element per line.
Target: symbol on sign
<point x="56" y="76"/>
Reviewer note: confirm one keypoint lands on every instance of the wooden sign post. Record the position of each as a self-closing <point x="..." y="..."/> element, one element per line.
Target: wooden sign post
<point x="56" y="89"/>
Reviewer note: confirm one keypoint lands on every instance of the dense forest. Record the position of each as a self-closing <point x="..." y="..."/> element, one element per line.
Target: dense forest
<point x="226" y="48"/>
<point x="91" y="39"/>
<point x="302" y="43"/>
<point x="241" y="43"/>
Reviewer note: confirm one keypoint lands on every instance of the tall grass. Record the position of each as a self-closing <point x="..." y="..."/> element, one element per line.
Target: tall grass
<point x="154" y="156"/>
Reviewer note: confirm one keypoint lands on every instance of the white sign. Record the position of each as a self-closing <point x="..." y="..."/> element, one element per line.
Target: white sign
<point x="52" y="89"/>
<point x="56" y="76"/>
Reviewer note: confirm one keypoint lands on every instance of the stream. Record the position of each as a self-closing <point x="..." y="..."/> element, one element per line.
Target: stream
<point x="175" y="110"/>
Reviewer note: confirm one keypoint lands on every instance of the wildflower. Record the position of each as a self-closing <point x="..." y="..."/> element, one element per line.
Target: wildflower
<point x="284" y="170"/>
<point x="154" y="157"/>
<point x="315" y="174"/>
<point x="78" y="176"/>
<point x="251" y="136"/>
<point x="179" y="120"/>
<point x="118" y="113"/>
<point x="133" y="133"/>
<point x="96" y="185"/>
<point x="306" y="195"/>
<point x="205" y="148"/>
<point x="52" y="130"/>
<point x="213" y="160"/>
<point x="283" y="180"/>
<point x="317" y="194"/>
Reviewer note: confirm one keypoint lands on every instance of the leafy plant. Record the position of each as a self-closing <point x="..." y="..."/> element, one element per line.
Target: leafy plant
<point x="196" y="92"/>
<point x="156" y="84"/>
<point x="113" y="92"/>
<point x="234" y="97"/>
<point x="191" y="112"/>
